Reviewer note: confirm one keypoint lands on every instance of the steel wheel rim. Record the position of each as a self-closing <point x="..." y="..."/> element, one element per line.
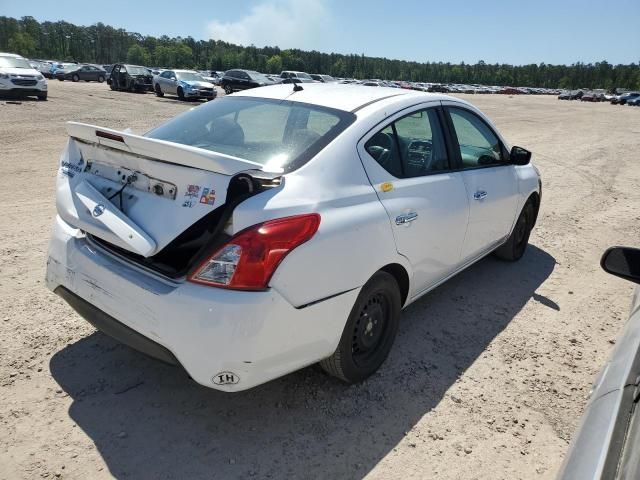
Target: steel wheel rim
<point x="370" y="328"/>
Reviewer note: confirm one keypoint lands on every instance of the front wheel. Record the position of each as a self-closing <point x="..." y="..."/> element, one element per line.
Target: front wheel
<point x="370" y="331"/>
<point x="517" y="242"/>
<point x="42" y="96"/>
<point x="180" y="93"/>
<point x="228" y="90"/>
<point x="75" y="78"/>
<point x="159" y="91"/>
<point x="100" y="79"/>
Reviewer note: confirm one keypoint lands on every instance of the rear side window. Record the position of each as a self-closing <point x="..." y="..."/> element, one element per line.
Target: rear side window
<point x="412" y="146"/>
<point x="280" y="135"/>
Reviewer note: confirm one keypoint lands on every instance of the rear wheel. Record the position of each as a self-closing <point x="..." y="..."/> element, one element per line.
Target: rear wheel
<point x="75" y="78"/>
<point x="516" y="245"/>
<point x="370" y="331"/>
<point x="159" y="91"/>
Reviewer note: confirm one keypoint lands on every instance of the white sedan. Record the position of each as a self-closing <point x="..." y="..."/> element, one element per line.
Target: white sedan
<point x="280" y="227"/>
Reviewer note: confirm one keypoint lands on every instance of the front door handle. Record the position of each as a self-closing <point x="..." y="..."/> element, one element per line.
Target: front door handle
<point x="479" y="195"/>
<point x="406" y="218"/>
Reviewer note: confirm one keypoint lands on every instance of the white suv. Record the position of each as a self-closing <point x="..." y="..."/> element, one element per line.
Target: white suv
<point x="18" y="78"/>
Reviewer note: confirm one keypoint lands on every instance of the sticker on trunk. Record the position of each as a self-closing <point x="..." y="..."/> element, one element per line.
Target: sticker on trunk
<point x="208" y="196"/>
<point x="193" y="192"/>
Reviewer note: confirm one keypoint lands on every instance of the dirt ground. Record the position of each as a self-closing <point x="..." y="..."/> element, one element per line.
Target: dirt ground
<point x="487" y="379"/>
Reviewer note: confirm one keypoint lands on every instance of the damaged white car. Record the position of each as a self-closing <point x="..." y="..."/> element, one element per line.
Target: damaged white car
<point x="278" y="227"/>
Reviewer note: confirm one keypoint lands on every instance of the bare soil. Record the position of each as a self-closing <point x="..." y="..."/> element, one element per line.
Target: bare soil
<point x="487" y="379"/>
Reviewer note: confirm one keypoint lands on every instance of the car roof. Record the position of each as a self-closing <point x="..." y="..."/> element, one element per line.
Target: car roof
<point x="10" y="55"/>
<point x="338" y="96"/>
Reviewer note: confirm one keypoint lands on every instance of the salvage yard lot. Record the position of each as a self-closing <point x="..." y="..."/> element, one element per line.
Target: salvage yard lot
<point x="487" y="379"/>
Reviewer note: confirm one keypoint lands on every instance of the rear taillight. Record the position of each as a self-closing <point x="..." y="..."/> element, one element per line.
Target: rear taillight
<point x="248" y="260"/>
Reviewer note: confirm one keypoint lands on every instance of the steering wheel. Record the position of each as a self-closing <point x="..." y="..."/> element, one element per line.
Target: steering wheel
<point x="381" y="148"/>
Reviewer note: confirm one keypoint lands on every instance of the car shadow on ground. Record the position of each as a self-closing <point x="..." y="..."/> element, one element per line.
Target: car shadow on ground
<point x="149" y="420"/>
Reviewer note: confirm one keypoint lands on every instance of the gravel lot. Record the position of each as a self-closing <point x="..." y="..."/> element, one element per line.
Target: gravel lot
<point x="487" y="379"/>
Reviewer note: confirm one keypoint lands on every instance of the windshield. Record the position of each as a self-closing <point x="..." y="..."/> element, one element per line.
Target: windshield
<point x="280" y="135"/>
<point x="259" y="76"/>
<point x="304" y="75"/>
<point x="13" y="62"/>
<point x="189" y="76"/>
<point x="133" y="70"/>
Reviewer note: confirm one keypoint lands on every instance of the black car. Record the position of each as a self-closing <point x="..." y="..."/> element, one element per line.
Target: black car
<point x="133" y="78"/>
<point x="234" y="80"/>
<point x="88" y="73"/>
<point x="571" y="95"/>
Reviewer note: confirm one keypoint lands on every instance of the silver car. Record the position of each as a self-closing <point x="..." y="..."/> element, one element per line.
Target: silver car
<point x="607" y="445"/>
<point x="186" y="84"/>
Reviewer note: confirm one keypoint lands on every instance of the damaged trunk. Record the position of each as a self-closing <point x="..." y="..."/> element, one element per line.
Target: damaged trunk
<point x="159" y="204"/>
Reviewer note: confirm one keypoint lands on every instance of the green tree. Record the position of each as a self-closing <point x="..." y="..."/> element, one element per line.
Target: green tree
<point x="274" y="64"/>
<point x="138" y="55"/>
<point x="22" y="43"/>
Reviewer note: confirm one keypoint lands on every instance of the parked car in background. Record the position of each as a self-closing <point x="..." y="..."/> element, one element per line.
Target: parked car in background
<point x="571" y="95"/>
<point x="624" y="98"/>
<point x="19" y="79"/>
<point x="186" y="84"/>
<point x="322" y="78"/>
<point x="236" y="80"/>
<point x="108" y="69"/>
<point x="592" y="97"/>
<point x="303" y="76"/>
<point x="272" y="229"/>
<point x="133" y="78"/>
<point x="88" y="73"/>
<point x="635" y="102"/>
<point x="61" y="67"/>
<point x="607" y="444"/>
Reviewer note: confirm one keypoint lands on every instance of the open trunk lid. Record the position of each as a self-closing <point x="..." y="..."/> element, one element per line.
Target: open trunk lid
<point x="139" y="193"/>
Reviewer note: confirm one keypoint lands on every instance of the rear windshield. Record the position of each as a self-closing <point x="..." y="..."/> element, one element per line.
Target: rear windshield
<point x="278" y="134"/>
<point x="189" y="76"/>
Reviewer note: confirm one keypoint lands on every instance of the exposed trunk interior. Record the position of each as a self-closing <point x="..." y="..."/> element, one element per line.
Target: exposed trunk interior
<point x="193" y="245"/>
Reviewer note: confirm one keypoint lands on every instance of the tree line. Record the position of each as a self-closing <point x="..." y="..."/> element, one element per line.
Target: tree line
<point x="103" y="44"/>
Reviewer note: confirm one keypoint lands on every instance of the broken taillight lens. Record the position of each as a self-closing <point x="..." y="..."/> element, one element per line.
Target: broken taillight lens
<point x="249" y="259"/>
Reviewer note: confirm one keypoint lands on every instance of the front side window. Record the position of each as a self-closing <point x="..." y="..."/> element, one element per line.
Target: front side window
<point x="279" y="135"/>
<point x="412" y="146"/>
<point x="479" y="146"/>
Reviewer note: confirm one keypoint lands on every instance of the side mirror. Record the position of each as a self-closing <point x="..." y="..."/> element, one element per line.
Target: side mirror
<point x="173" y="79"/>
<point x="519" y="156"/>
<point x="623" y="262"/>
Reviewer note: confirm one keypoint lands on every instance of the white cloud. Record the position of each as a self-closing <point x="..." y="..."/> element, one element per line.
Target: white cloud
<point x="284" y="23"/>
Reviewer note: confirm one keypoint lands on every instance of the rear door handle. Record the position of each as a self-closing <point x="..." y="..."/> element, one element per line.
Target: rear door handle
<point x="406" y="218"/>
<point x="479" y="195"/>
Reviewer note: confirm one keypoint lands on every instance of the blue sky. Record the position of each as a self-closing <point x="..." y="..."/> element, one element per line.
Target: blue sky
<point x="490" y="30"/>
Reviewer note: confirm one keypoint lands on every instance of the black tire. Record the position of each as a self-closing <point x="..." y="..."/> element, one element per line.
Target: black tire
<point x="228" y="90"/>
<point x="61" y="79"/>
<point x="180" y="93"/>
<point x="42" y="96"/>
<point x="516" y="245"/>
<point x="159" y="91"/>
<point x="75" y="78"/>
<point x="112" y="86"/>
<point x="370" y="331"/>
<point x="100" y="79"/>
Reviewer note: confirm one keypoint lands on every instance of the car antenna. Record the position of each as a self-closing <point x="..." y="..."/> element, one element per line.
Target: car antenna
<point x="297" y="87"/>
